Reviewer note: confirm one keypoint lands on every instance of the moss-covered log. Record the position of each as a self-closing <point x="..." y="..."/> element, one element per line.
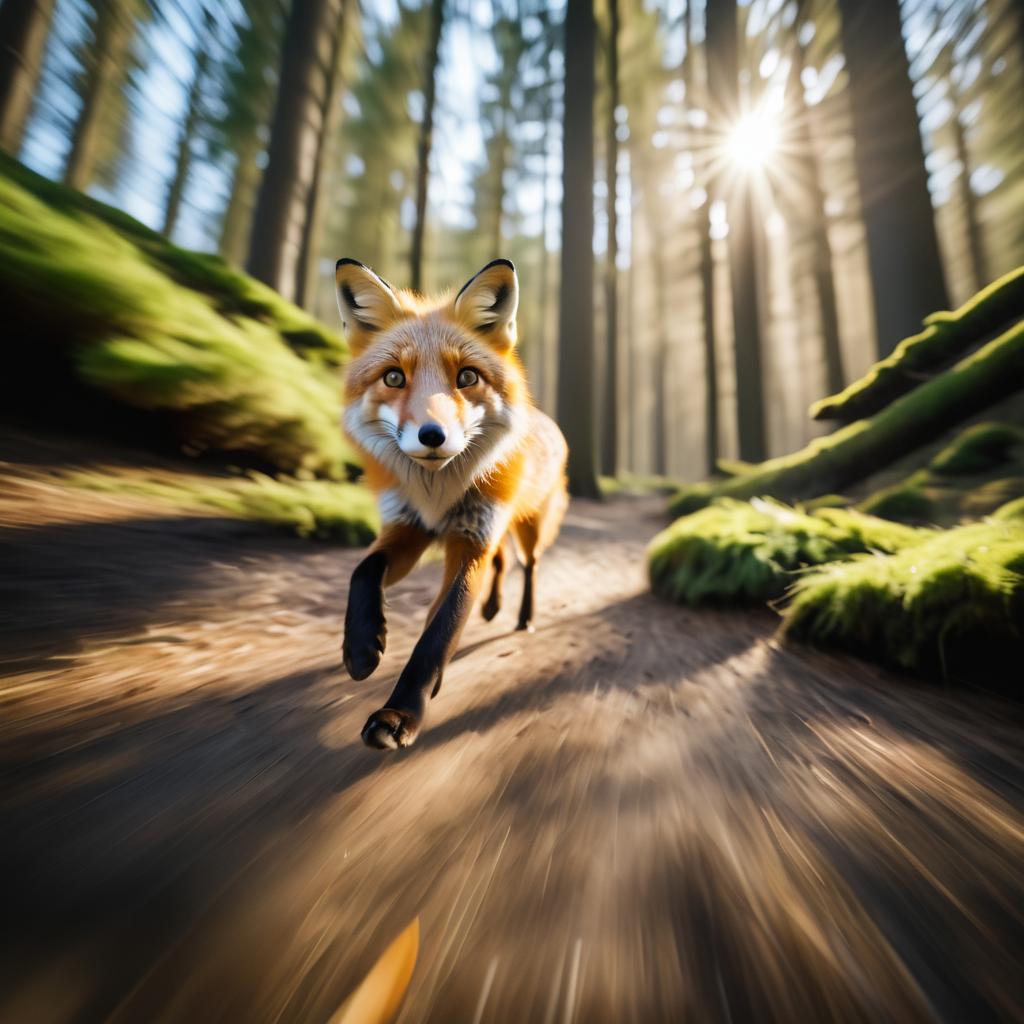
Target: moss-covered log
<point x="945" y="338"/>
<point x="835" y="462"/>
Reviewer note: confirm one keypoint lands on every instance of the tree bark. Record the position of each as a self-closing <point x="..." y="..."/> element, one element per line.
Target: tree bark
<point x="24" y="26"/>
<point x="576" y="377"/>
<point x="312" y="231"/>
<point x="276" y="240"/>
<point x="723" y="52"/>
<point x="903" y="250"/>
<point x="234" y="232"/>
<point x="705" y="256"/>
<point x="610" y="400"/>
<point x="805" y="171"/>
<point x="425" y="144"/>
<point x="104" y="69"/>
<point x="193" y="111"/>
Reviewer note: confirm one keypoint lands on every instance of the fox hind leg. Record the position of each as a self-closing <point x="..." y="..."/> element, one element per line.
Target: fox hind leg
<point x="493" y="603"/>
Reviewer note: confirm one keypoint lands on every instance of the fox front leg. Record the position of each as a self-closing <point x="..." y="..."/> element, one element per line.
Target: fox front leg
<point x="397" y="724"/>
<point x="392" y="556"/>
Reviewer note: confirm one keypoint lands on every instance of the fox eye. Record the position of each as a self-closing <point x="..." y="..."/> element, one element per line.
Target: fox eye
<point x="467" y="377"/>
<point x="394" y="379"/>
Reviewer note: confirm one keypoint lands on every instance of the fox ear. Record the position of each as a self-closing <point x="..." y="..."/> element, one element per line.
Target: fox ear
<point x="366" y="303"/>
<point x="488" y="302"/>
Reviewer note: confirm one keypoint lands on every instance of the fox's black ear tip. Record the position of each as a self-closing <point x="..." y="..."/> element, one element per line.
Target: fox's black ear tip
<point x="501" y="262"/>
<point x="347" y="262"/>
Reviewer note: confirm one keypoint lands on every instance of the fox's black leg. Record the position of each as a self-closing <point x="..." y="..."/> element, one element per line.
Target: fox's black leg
<point x="493" y="603"/>
<point x="392" y="556"/>
<point x="397" y="724"/>
<point x="365" y="627"/>
<point x="526" y="608"/>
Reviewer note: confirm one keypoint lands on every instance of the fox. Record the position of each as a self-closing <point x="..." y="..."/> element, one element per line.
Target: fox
<point x="456" y="452"/>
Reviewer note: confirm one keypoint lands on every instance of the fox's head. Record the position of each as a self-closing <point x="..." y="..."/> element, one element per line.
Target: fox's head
<point x="431" y="384"/>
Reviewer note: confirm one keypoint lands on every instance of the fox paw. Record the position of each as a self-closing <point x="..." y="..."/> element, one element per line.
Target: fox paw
<point x="389" y="729"/>
<point x="491" y="607"/>
<point x="363" y="657"/>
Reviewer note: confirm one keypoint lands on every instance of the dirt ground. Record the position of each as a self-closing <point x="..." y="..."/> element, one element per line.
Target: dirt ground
<point x="639" y="813"/>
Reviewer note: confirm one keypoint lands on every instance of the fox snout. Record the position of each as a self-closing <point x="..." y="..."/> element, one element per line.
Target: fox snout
<point x="432" y="434"/>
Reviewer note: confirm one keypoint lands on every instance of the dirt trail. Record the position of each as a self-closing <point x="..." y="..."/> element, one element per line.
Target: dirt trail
<point x="639" y="813"/>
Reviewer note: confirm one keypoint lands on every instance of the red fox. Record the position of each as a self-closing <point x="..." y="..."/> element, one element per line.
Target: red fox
<point x="436" y="401"/>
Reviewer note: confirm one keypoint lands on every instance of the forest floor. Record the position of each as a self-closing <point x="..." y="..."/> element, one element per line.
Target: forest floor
<point x="638" y="813"/>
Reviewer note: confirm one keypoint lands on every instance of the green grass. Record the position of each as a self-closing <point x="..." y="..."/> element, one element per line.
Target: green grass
<point x="946" y="336"/>
<point x="637" y="485"/>
<point x="951" y="606"/>
<point x="749" y="551"/>
<point x="220" y="357"/>
<point x="323" y="509"/>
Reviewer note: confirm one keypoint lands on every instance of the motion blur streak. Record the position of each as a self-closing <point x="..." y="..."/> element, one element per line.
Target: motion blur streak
<point x="649" y="815"/>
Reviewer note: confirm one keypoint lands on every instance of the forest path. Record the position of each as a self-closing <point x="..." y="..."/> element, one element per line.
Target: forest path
<point x="639" y="813"/>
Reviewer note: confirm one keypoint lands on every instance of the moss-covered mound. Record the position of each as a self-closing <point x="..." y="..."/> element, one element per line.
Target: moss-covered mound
<point x="981" y="448"/>
<point x="748" y="551"/>
<point x="946" y="337"/>
<point x="225" y="362"/>
<point x="980" y="470"/>
<point x="951" y="606"/>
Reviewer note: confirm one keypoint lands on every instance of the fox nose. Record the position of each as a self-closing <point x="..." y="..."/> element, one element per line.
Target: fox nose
<point x="431" y="435"/>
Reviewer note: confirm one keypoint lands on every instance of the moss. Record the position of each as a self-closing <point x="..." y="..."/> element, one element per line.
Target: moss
<point x="980" y="448"/>
<point x="981" y="469"/>
<point x="637" y="484"/>
<point x="749" y="551"/>
<point x="341" y="512"/>
<point x="87" y="288"/>
<point x="231" y="291"/>
<point x="946" y="336"/>
<point x="855" y="451"/>
<point x="906" y="502"/>
<point x="951" y="606"/>
<point x="1011" y="510"/>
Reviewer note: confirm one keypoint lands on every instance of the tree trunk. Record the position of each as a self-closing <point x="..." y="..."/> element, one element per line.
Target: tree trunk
<point x="542" y="376"/>
<point x="312" y="231"/>
<point x="104" y="69"/>
<point x="610" y="400"/>
<point x="193" y="111"/>
<point x="805" y="171"/>
<point x="723" y="51"/>
<point x="968" y="201"/>
<point x="276" y="241"/>
<point x="425" y="145"/>
<point x="712" y="446"/>
<point x="903" y="249"/>
<point x="945" y="338"/>
<point x="24" y="26"/>
<point x="705" y="255"/>
<point x="576" y="378"/>
<point x="234" y="232"/>
<point x="862" y="448"/>
<point x="660" y="383"/>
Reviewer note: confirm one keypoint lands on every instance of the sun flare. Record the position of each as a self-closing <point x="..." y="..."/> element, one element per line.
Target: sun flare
<point x="754" y="140"/>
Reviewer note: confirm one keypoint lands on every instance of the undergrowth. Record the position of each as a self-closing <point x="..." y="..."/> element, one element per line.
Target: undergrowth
<point x="736" y="551"/>
<point x="322" y="509"/>
<point x="950" y="606"/>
